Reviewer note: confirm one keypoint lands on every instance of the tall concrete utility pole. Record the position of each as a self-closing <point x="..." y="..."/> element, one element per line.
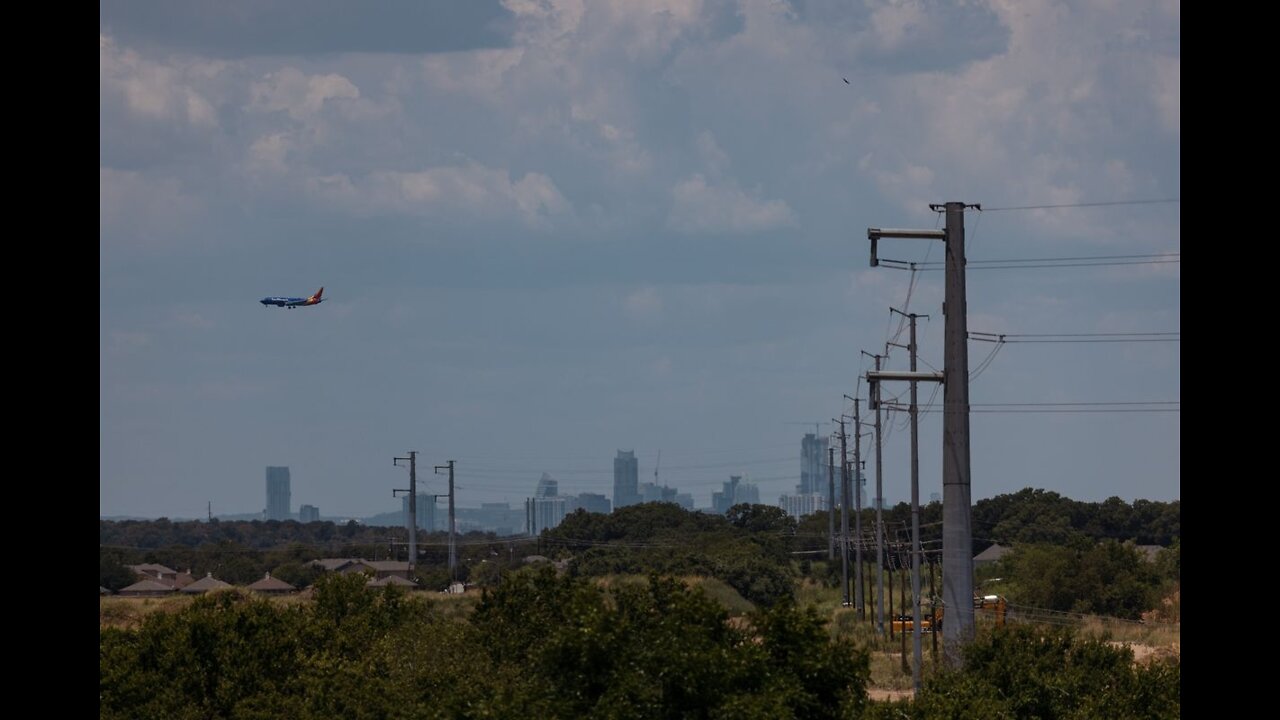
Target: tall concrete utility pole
<point x="844" y="519"/>
<point x="859" y="598"/>
<point x="453" y="526"/>
<point x="874" y="400"/>
<point x="912" y="349"/>
<point x="413" y="505"/>
<point x="957" y="532"/>
<point x="831" y="503"/>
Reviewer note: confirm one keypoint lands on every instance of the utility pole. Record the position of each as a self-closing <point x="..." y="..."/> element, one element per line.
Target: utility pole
<point x="210" y="510"/>
<point x="453" y="551"/>
<point x="831" y="503"/>
<point x="844" y="519"/>
<point x="957" y="531"/>
<point x="413" y="505"/>
<point x="875" y="404"/>
<point x="860" y="598"/>
<point x="912" y="349"/>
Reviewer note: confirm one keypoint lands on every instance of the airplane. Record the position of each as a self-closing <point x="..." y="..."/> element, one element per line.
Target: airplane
<point x="293" y="302"/>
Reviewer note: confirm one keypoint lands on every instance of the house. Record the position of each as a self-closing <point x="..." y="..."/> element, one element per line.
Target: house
<point x="204" y="585"/>
<point x="342" y="565"/>
<point x="147" y="588"/>
<point x="990" y="555"/>
<point x="154" y="571"/>
<point x="387" y="568"/>
<point x="103" y="591"/>
<point x="395" y="580"/>
<point x="272" y="586"/>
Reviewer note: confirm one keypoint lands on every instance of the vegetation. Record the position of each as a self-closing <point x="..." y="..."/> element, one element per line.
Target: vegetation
<point x="539" y="646"/>
<point x="1047" y="673"/>
<point x="1107" y="578"/>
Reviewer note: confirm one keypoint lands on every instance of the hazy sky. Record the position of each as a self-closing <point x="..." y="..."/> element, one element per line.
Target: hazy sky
<point x="552" y="229"/>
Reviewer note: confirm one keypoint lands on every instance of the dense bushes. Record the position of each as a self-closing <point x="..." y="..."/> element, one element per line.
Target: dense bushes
<point x="538" y="646"/>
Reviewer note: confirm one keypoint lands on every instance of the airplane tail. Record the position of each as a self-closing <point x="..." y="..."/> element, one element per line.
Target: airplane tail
<point x="316" y="297"/>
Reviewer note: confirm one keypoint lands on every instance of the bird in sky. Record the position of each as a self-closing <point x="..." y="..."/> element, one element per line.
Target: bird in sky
<point x="846" y="80"/>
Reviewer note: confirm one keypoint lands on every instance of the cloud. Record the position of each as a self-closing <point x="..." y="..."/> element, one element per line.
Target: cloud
<point x="701" y="208"/>
<point x="471" y="190"/>
<point x="301" y="96"/>
<point x="644" y="304"/>
<point x="242" y="28"/>
<point x="135" y="208"/>
<point x="150" y="90"/>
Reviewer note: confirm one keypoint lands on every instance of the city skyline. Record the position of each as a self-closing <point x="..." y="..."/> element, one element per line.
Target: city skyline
<point x="548" y="231"/>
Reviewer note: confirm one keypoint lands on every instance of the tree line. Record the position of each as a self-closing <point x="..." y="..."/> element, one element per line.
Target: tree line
<point x="550" y="645"/>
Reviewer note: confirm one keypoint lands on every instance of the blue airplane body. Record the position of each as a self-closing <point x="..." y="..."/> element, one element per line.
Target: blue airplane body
<point x="293" y="302"/>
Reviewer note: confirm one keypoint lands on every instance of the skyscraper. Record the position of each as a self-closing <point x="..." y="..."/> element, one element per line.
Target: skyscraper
<point x="426" y="512"/>
<point x="626" y="479"/>
<point x="813" y="465"/>
<point x="547" y="486"/>
<point x="735" y="492"/>
<point x="278" y="493"/>
<point x="797" y="506"/>
<point x="593" y="503"/>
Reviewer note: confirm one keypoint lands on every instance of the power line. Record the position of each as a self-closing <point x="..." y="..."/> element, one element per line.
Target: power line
<point x="1103" y="337"/>
<point x="1101" y="410"/>
<point x="1057" y="404"/>
<point x="1080" y="205"/>
<point x="1046" y="262"/>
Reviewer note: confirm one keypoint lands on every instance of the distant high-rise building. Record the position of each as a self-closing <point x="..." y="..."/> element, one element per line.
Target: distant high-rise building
<point x="813" y="464"/>
<point x="547" y="487"/>
<point x="593" y="503"/>
<point x="308" y="513"/>
<point x="685" y="500"/>
<point x="426" y="512"/>
<point x="278" y="493"/>
<point x="735" y="492"/>
<point x="650" y="492"/>
<point x="626" y="479"/>
<point x="543" y="513"/>
<point x="797" y="506"/>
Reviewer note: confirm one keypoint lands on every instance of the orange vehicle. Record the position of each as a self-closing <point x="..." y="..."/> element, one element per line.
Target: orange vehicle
<point x="905" y="623"/>
<point x="983" y="605"/>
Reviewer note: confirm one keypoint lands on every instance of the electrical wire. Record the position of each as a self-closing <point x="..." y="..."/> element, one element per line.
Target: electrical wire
<point x="1082" y="205"/>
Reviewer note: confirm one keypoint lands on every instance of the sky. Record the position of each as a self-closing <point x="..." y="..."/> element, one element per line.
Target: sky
<point x="552" y="229"/>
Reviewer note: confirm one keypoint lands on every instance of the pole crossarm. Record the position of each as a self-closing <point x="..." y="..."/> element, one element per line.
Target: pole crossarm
<point x="874" y="235"/>
<point x="904" y="375"/>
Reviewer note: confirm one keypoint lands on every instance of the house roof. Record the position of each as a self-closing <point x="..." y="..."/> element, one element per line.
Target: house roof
<point x="152" y="569"/>
<point x="205" y="584"/>
<point x="995" y="552"/>
<point x="103" y="591"/>
<point x="388" y="565"/>
<point x="391" y="580"/>
<point x="147" y="586"/>
<point x="270" y="584"/>
<point x="334" y="563"/>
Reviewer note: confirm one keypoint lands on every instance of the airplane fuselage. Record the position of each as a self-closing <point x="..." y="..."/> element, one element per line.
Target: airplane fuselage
<point x="293" y="302"/>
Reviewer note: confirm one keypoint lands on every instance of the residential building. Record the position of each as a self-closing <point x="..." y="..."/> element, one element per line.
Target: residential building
<point x="278" y="500"/>
<point x="543" y="513"/>
<point x="626" y="479"/>
<point x="813" y="464"/>
<point x="797" y="506"/>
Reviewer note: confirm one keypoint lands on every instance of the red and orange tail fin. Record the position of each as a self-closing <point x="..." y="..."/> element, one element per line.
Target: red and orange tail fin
<point x="318" y="294"/>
